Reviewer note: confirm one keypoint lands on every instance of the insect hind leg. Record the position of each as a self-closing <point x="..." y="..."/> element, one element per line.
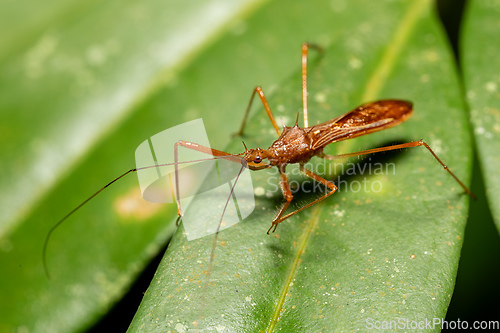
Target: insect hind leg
<point x="401" y="146"/>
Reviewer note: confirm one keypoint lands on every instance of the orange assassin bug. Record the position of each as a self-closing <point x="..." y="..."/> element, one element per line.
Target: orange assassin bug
<point x="299" y="145"/>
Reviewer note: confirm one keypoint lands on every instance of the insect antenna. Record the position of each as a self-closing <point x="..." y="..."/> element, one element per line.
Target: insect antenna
<point x="55" y="226"/>
<point x="61" y="221"/>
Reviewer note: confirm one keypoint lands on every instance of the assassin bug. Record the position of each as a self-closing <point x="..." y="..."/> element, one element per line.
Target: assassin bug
<point x="299" y="145"/>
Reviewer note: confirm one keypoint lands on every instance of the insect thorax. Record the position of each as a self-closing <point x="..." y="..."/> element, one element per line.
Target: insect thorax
<point x="293" y="146"/>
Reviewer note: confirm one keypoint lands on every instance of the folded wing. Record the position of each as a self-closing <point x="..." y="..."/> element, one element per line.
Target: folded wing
<point x="367" y="118"/>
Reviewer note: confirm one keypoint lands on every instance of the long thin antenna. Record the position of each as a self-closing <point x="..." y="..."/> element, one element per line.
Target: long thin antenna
<point x="55" y="226"/>
<point x="47" y="238"/>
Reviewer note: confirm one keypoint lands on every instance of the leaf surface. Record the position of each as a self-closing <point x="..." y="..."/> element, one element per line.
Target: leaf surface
<point x="481" y="67"/>
<point x="387" y="245"/>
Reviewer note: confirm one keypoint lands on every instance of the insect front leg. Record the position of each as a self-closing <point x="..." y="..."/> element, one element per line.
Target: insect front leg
<point x="194" y="146"/>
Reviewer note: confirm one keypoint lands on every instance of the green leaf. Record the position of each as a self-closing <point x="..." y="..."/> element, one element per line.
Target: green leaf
<point x="481" y="67"/>
<point x="387" y="245"/>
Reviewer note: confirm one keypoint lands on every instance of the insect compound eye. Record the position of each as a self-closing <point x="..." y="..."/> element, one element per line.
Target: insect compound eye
<point x="257" y="159"/>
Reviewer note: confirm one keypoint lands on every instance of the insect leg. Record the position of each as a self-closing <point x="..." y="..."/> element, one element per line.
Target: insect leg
<point x="305" y="49"/>
<point x="312" y="175"/>
<point x="401" y="146"/>
<point x="259" y="91"/>
<point x="287" y="193"/>
<point x="194" y="146"/>
<point x="317" y="178"/>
